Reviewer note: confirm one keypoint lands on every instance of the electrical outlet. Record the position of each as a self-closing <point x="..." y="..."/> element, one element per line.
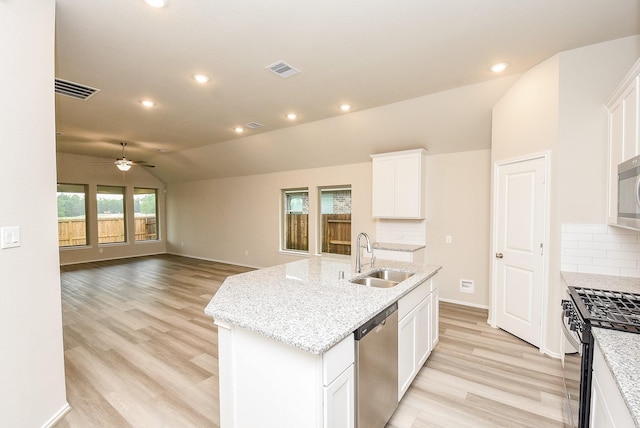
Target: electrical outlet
<point x="10" y="237"/>
<point x="448" y="239"/>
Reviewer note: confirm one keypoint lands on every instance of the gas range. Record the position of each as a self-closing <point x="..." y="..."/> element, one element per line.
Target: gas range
<point x="614" y="310"/>
<point x="586" y="308"/>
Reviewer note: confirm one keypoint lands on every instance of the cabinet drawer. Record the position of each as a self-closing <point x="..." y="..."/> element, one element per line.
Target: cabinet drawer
<point x="411" y="300"/>
<point x="337" y="359"/>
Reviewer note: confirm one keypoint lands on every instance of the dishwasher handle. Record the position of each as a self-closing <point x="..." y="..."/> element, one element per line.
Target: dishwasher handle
<point x="370" y="325"/>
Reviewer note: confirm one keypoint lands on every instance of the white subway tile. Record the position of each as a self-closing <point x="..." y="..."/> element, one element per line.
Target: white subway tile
<point x="624" y="255"/>
<point x="631" y="264"/>
<point x="612" y="246"/>
<point x="630" y="247"/>
<point x="569" y="267"/>
<point x="634" y="273"/>
<point x="577" y="237"/>
<point x="570" y="244"/>
<point x="577" y="260"/>
<point x="600" y="270"/>
<point x="616" y="238"/>
<point x="581" y="252"/>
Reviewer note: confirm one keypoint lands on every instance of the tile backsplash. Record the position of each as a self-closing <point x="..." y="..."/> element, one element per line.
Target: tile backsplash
<point x="411" y="232"/>
<point x="600" y="249"/>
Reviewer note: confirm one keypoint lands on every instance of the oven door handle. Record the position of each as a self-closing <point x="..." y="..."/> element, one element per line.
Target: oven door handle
<point x="567" y="333"/>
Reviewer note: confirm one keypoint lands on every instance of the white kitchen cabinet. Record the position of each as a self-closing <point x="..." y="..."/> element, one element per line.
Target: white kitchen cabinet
<point x="624" y="131"/>
<point x="435" y="314"/>
<point x="608" y="409"/>
<point x="339" y="401"/>
<point x="267" y="383"/>
<point x="415" y="321"/>
<point x="398" y="184"/>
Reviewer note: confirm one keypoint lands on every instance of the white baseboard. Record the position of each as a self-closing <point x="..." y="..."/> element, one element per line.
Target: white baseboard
<point x="58" y="416"/>
<point x="460" y="302"/>
<point x="214" y="260"/>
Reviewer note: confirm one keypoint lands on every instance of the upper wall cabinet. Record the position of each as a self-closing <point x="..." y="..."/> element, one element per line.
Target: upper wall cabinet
<point x="398" y="184"/>
<point x="624" y="131"/>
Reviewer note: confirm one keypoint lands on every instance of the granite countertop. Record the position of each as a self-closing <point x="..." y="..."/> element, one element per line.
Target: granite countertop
<point x="621" y="350"/>
<point x="306" y="304"/>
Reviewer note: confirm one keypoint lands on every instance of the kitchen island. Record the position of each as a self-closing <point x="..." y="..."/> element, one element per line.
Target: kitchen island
<point x="285" y="339"/>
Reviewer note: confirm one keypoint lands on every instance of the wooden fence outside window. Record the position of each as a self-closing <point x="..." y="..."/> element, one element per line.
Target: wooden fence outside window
<point x="72" y="231"/>
<point x="336" y="233"/>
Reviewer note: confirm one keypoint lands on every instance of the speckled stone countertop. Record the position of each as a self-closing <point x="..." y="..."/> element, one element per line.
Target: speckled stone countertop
<point x="306" y="304"/>
<point x="621" y="350"/>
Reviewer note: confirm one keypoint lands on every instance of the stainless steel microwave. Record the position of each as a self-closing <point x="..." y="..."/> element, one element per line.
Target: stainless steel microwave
<point x="629" y="193"/>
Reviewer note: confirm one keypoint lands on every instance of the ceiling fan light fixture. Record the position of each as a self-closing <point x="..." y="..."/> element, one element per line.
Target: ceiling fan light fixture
<point x="123" y="164"/>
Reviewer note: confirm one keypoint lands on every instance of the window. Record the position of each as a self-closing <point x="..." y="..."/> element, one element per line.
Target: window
<point x="72" y="215"/>
<point x="335" y="214"/>
<point x="111" y="219"/>
<point x="296" y="220"/>
<point x="145" y="208"/>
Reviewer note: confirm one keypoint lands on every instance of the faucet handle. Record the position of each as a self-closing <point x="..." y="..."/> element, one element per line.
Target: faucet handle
<point x="373" y="259"/>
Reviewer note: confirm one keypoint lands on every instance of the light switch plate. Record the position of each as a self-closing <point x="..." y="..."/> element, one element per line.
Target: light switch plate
<point x="10" y="237"/>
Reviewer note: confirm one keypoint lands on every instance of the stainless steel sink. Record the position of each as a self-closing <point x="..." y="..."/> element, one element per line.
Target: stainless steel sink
<point x="383" y="278"/>
<point x="374" y="282"/>
<point x="391" y="275"/>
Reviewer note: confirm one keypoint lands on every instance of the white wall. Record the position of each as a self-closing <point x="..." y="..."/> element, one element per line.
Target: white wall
<point x="458" y="196"/>
<point x="32" y="387"/>
<point x="221" y="219"/>
<point x="559" y="106"/>
<point x="75" y="169"/>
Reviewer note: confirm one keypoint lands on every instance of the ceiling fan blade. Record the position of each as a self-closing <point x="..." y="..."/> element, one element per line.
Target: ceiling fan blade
<point x="143" y="163"/>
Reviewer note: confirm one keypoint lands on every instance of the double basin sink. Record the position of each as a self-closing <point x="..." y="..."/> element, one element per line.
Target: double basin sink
<point x="382" y="278"/>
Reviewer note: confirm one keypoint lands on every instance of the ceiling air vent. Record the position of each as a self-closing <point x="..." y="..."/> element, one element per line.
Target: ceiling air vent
<point x="283" y="69"/>
<point x="74" y="90"/>
<point x="253" y="125"/>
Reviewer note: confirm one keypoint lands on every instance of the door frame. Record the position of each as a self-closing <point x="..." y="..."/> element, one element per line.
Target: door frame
<point x="544" y="295"/>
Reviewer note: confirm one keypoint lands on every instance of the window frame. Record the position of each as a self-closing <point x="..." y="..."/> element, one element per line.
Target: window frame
<point x="320" y="219"/>
<point x="284" y="225"/>
<point x="125" y="226"/>
<point x="146" y="191"/>
<point x="85" y="188"/>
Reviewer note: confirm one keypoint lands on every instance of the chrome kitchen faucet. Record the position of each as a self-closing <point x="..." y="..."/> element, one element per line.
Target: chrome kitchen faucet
<point x="369" y="250"/>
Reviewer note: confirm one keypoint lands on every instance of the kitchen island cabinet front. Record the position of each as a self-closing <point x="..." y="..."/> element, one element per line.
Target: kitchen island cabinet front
<point x="265" y="383"/>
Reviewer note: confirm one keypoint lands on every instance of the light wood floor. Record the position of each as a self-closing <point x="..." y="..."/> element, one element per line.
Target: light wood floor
<point x="139" y="352"/>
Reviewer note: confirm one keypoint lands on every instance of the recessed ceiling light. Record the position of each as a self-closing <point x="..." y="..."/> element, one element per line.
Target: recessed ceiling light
<point x="201" y="78"/>
<point x="147" y="103"/>
<point x="345" y="107"/>
<point x="239" y="129"/>
<point x="156" y="3"/>
<point x="497" y="68"/>
<point x="292" y="116"/>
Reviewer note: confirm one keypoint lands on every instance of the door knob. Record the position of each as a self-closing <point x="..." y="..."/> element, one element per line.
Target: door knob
<point x="499" y="255"/>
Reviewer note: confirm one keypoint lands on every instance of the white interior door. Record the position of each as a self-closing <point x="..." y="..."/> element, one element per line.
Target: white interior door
<point x="519" y="243"/>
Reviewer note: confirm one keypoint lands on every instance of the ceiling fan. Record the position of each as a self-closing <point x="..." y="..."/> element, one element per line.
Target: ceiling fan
<point x="124" y="164"/>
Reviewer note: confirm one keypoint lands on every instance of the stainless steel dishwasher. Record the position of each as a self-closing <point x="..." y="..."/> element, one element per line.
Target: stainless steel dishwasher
<point x="377" y="369"/>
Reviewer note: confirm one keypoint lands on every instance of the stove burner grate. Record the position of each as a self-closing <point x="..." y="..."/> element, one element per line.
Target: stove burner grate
<point x="614" y="310"/>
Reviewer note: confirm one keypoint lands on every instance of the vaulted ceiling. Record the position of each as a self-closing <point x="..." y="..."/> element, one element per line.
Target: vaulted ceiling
<point x="367" y="53"/>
